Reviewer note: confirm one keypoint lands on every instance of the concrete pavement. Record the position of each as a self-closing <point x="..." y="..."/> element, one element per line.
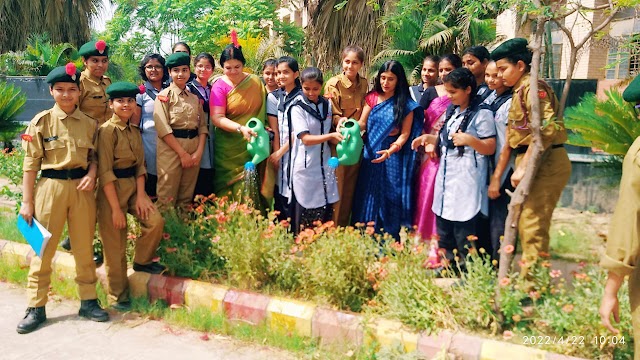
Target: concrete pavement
<point x="65" y="335"/>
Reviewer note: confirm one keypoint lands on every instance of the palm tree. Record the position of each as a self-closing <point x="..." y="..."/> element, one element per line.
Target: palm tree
<point x="332" y="29"/>
<point x="610" y="125"/>
<point x="436" y="27"/>
<point x="64" y="20"/>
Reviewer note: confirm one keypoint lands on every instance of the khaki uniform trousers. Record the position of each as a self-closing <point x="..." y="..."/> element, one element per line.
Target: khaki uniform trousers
<point x="56" y="202"/>
<point x="175" y="184"/>
<point x="114" y="241"/>
<point x="537" y="210"/>
<point x="347" y="176"/>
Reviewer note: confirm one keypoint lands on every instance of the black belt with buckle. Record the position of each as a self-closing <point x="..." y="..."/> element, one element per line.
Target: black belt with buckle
<point x="125" y="173"/>
<point x="67" y="174"/>
<point x="523" y="149"/>
<point x="185" y="134"/>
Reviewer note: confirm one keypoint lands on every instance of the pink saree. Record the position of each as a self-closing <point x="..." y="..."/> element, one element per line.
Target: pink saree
<point x="424" y="218"/>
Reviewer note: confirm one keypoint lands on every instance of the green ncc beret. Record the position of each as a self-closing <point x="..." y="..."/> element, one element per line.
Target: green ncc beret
<point x="122" y="89"/>
<point x="68" y="73"/>
<point x="632" y="92"/>
<point x="178" y="59"/>
<point x="94" y="48"/>
<point x="510" y="47"/>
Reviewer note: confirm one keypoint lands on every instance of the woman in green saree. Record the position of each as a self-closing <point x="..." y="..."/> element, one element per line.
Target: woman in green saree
<point x="235" y="98"/>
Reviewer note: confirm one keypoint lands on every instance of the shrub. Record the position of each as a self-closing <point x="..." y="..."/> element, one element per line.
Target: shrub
<point x="12" y="102"/>
<point x="336" y="263"/>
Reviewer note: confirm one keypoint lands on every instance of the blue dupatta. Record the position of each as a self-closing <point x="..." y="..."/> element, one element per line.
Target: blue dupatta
<point x="384" y="192"/>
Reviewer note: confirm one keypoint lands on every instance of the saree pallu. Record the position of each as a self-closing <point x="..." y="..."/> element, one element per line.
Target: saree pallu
<point x="384" y="192"/>
<point x="245" y="101"/>
<point x="425" y="219"/>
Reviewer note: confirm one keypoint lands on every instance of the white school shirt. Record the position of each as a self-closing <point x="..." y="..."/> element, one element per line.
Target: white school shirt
<point x="311" y="183"/>
<point x="501" y="118"/>
<point x="282" y="180"/>
<point x="461" y="182"/>
<point x="148" y="128"/>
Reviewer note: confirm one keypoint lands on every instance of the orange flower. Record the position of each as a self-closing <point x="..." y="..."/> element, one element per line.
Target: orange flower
<point x="200" y="209"/>
<point x="507" y="335"/>
<point x="505" y="281"/>
<point x="472" y="238"/>
<point x="509" y="249"/>
<point x="580" y="276"/>
<point x="284" y="223"/>
<point x="544" y="254"/>
<point x="516" y="318"/>
<point x="546" y="264"/>
<point x="171" y="250"/>
<point x="221" y="218"/>
<point x="371" y="223"/>
<point x="359" y="225"/>
<point x="370" y="230"/>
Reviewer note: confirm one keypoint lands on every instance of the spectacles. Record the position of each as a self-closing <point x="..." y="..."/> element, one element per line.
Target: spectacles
<point x="153" y="67"/>
<point x="204" y="67"/>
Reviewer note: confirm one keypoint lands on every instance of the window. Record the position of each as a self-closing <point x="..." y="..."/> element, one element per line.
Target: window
<point x="624" y="59"/>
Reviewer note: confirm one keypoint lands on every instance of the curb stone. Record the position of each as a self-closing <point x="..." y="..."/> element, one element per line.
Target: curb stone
<point x="295" y="316"/>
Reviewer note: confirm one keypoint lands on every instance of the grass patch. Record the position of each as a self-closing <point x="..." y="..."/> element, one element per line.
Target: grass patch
<point x="568" y="241"/>
<point x="10" y="271"/>
<point x="8" y="228"/>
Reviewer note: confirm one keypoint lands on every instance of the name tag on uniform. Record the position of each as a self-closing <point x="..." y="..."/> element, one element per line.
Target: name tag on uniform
<point x="53" y="138"/>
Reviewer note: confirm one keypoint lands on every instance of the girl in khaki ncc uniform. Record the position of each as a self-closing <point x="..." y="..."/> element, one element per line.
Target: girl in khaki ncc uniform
<point x="346" y="93"/>
<point x="94" y="82"/>
<point x="623" y="246"/>
<point x="182" y="132"/>
<point x="121" y="175"/>
<point x="59" y="141"/>
<point x="512" y="59"/>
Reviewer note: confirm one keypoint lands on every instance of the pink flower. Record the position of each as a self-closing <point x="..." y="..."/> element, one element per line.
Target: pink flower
<point x="509" y="249"/>
<point x="507" y="335"/>
<point x="166" y="236"/>
<point x="370" y="230"/>
<point x="505" y="281"/>
<point x="171" y="250"/>
<point x="215" y="239"/>
<point x="555" y="273"/>
<point x="568" y="308"/>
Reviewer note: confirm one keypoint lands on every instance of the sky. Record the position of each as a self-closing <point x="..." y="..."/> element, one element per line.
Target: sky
<point x="99" y="23"/>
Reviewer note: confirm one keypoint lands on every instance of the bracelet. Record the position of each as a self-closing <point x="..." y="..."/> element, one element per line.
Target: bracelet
<point x="395" y="144"/>
<point x="239" y="129"/>
<point x="388" y="153"/>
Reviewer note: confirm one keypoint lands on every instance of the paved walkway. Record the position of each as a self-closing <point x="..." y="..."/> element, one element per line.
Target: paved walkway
<point x="67" y="336"/>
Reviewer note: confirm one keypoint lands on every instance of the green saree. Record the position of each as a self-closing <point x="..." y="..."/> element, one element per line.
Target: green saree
<point x="245" y="101"/>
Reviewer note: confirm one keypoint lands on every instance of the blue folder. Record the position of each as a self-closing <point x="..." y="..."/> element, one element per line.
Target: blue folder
<point x="36" y="235"/>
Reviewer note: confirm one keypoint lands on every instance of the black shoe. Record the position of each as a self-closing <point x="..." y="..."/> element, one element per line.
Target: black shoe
<point x="66" y="244"/>
<point x="34" y="316"/>
<point x="91" y="310"/>
<point x="98" y="259"/>
<point x="151" y="268"/>
<point x="122" y="306"/>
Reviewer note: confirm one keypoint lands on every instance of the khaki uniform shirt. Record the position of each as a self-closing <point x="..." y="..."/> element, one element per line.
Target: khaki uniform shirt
<point x="175" y="108"/>
<point x="552" y="131"/>
<point x="93" y="97"/>
<point x="55" y="140"/>
<point x="623" y="247"/>
<point x="119" y="147"/>
<point x="347" y="98"/>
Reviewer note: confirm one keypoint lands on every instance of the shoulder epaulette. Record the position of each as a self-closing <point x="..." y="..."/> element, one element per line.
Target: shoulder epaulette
<point x="39" y="116"/>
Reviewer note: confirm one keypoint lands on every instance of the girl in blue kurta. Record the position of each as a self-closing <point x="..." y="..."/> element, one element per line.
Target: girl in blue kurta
<point x="384" y="191"/>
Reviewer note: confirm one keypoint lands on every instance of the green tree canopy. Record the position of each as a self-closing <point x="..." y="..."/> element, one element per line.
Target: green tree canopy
<point x="66" y="21"/>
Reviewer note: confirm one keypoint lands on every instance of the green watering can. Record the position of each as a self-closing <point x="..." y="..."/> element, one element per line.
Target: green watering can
<point x="350" y="148"/>
<point x="258" y="146"/>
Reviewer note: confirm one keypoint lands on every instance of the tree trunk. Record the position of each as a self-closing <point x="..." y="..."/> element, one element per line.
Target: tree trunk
<point x="521" y="192"/>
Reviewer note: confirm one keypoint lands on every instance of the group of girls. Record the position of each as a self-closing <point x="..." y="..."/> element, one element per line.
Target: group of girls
<point x="433" y="153"/>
